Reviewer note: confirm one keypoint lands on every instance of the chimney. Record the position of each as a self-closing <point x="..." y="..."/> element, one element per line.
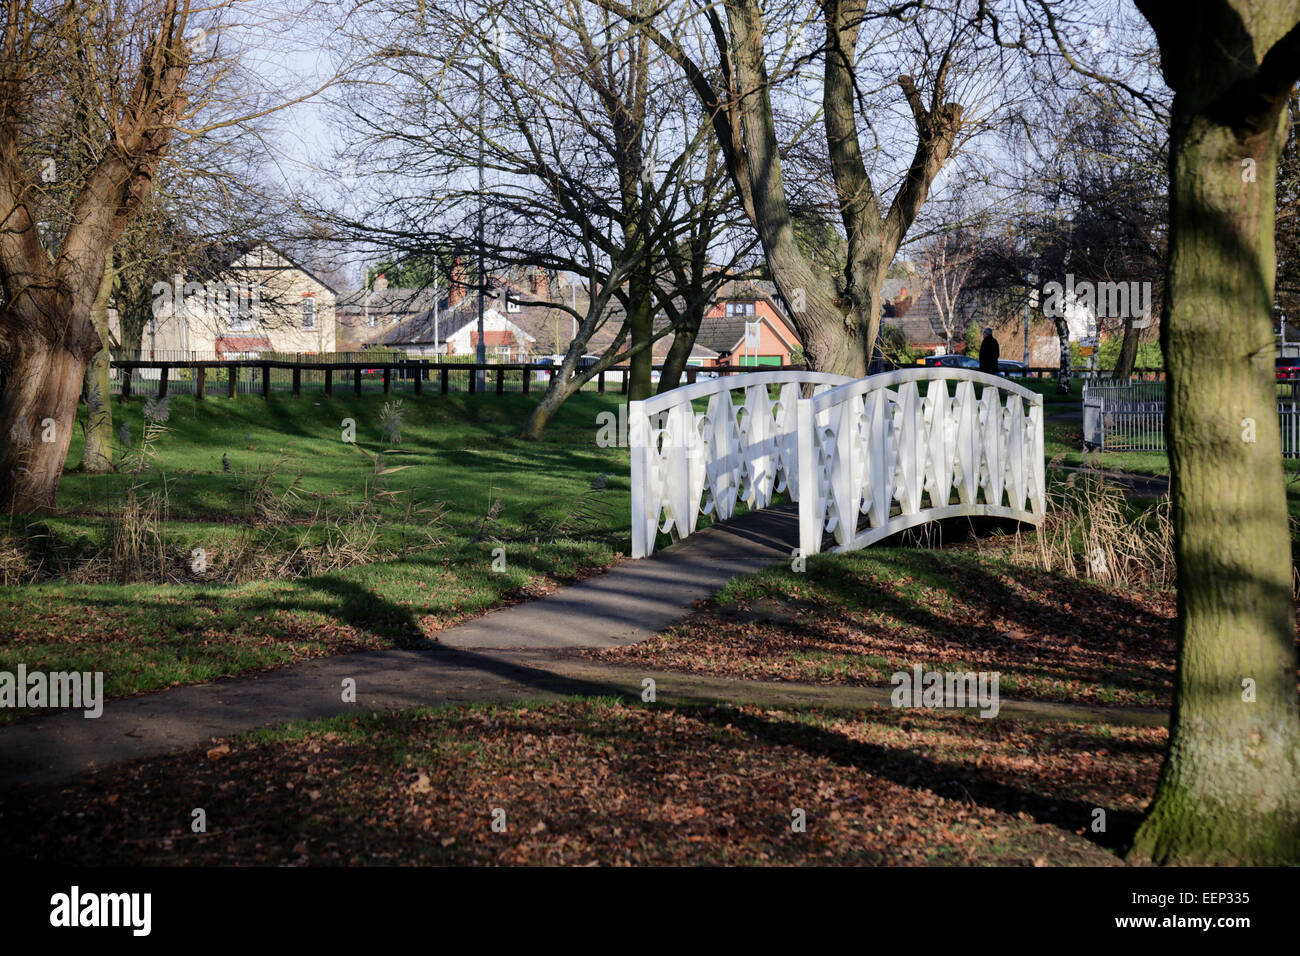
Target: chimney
<point x="380" y="283"/>
<point x="456" y="287"/>
<point x="539" y="284"/>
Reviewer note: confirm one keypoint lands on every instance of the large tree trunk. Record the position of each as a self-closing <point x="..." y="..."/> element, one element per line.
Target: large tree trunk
<point x="1229" y="791"/>
<point x="670" y="376"/>
<point x="640" y="320"/>
<point x="98" y="455"/>
<point x="38" y="410"/>
<point x="1127" y="353"/>
<point x="831" y="334"/>
<point x="46" y="325"/>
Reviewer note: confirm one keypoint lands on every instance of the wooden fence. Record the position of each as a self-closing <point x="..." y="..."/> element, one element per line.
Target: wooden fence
<point x="204" y="377"/>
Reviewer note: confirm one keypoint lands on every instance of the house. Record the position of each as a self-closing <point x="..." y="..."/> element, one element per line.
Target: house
<point x="524" y="321"/>
<point x="741" y="302"/>
<point x="452" y="330"/>
<point x="367" y="313"/>
<point x="910" y="306"/>
<point x="517" y="321"/>
<point x="258" y="300"/>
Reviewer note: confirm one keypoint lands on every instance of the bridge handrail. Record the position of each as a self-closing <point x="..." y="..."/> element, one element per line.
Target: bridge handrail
<point x="686" y="464"/>
<point x="685" y="394"/>
<point x="902" y="376"/>
<point x="871" y="443"/>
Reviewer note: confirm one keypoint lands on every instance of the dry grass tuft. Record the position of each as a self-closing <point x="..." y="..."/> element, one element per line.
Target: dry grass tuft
<point x="1092" y="530"/>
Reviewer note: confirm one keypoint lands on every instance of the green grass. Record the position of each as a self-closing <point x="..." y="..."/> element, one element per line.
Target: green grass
<point x="461" y="457"/>
<point x="461" y="450"/>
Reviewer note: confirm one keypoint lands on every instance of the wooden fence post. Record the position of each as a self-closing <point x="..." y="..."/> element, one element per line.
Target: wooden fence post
<point x="200" y="382"/>
<point x="162" y="382"/>
<point x="446" y="379"/>
<point x="473" y="379"/>
<point x="125" y="395"/>
<point x="232" y="379"/>
<point x="356" y="382"/>
<point x="600" y="382"/>
<point x="388" y="379"/>
<point x="419" y="377"/>
<point x="266" y="380"/>
<point x="297" y="381"/>
<point x="329" y="381"/>
<point x="501" y="379"/>
<point x="528" y="377"/>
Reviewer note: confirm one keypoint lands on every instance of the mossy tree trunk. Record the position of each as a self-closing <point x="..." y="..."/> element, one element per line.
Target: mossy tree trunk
<point x="98" y="455"/>
<point x="1229" y="791"/>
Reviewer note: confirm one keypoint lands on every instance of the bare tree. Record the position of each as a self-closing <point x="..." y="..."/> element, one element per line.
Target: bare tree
<point x="594" y="161"/>
<point x="1229" y="791"/>
<point x="932" y="52"/>
<point x="946" y="261"/>
<point x="46" y="324"/>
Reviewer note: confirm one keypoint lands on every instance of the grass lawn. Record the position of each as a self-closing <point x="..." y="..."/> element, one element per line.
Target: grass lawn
<point x="1063" y="441"/>
<point x="482" y="489"/>
<point x="602" y="781"/>
<point x="859" y="617"/>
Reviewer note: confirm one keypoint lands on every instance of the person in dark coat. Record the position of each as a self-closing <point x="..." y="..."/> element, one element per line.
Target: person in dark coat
<point x="989" y="353"/>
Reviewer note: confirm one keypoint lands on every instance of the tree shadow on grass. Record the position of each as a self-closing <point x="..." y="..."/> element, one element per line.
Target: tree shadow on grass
<point x="1061" y="617"/>
<point x="953" y="781"/>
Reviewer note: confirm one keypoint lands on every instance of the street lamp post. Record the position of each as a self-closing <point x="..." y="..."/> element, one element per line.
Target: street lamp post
<point x="480" y="353"/>
<point x="1031" y="298"/>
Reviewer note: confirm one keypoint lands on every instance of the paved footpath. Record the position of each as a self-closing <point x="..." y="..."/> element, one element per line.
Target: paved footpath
<point x="510" y="655"/>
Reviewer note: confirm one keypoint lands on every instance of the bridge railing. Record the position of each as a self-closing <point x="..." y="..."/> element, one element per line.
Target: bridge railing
<point x="877" y="447"/>
<point x="742" y="447"/>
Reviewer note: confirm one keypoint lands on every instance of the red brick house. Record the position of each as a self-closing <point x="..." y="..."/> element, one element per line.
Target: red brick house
<point x="737" y="303"/>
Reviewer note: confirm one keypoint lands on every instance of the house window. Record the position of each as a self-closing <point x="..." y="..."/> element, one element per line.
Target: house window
<point x="372" y="320"/>
<point x="309" y="313"/>
<point x="740" y="308"/>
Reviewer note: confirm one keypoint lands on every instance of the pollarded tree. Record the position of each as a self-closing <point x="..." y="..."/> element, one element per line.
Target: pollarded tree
<point x="47" y="332"/>
<point x="736" y="75"/>
<point x="100" y="91"/>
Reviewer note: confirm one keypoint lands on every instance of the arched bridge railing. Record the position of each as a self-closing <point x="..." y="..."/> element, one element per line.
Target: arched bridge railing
<point x="741" y="447"/>
<point x="877" y="447"/>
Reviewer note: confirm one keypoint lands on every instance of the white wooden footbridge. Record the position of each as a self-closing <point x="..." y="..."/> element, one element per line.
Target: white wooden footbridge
<point x="864" y="458"/>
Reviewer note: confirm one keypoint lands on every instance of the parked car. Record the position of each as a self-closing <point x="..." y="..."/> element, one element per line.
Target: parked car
<point x="952" y="360"/>
<point x="1011" y="367"/>
<point x="1287" y="366"/>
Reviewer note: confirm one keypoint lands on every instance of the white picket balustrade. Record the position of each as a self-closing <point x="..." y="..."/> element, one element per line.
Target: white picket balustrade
<point x="687" y="463"/>
<point x="876" y="447"/>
